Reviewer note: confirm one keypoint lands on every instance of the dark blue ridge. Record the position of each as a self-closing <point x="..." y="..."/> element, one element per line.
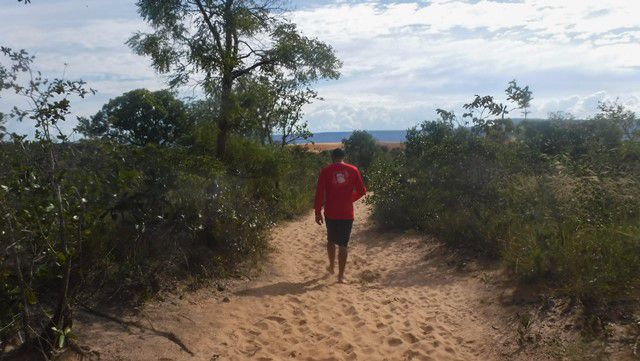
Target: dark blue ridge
<point x="336" y="137"/>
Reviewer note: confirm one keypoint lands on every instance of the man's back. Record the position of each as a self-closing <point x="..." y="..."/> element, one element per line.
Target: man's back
<point x="339" y="185"/>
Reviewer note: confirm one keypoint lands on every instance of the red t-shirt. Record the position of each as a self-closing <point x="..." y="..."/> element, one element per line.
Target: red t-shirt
<point x="339" y="185"/>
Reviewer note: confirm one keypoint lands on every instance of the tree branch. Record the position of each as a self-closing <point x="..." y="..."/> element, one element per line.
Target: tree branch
<point x="212" y="28"/>
<point x="241" y="72"/>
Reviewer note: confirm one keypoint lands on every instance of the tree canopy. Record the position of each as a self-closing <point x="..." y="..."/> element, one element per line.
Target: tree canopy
<point x="361" y="148"/>
<point x="139" y="117"/>
<point x="213" y="43"/>
<point x="273" y="105"/>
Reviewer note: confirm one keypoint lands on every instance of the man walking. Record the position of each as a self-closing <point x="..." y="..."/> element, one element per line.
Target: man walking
<point x="339" y="185"/>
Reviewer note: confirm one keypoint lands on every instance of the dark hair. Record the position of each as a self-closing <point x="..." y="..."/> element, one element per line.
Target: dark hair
<point x="338" y="153"/>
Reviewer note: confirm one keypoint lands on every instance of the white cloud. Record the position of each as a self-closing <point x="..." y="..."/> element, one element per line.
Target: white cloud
<point x="406" y="57"/>
<point x="402" y="59"/>
<point x="81" y="40"/>
<point x="587" y="105"/>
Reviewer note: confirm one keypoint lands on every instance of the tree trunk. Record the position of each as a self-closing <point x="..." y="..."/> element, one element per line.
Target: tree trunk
<point x="63" y="317"/>
<point x="26" y="317"/>
<point x="225" y="115"/>
<point x="229" y="55"/>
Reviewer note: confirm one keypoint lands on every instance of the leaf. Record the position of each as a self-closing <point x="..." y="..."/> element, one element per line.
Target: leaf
<point x="31" y="297"/>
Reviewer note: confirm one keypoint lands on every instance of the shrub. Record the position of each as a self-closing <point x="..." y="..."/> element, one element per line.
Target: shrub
<point x="447" y="185"/>
<point x="141" y="216"/>
<point x="361" y="148"/>
<point x="556" y="200"/>
<point x="577" y="231"/>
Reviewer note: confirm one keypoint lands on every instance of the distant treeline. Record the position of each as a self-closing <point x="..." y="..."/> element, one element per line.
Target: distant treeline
<point x="394" y="136"/>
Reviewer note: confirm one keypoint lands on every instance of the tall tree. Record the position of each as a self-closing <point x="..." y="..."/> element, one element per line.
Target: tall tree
<point x="625" y="119"/>
<point x="139" y="117"/>
<point x="216" y="42"/>
<point x="362" y="148"/>
<point x="273" y="104"/>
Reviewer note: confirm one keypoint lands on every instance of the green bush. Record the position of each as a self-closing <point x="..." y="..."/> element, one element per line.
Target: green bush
<point x="579" y="231"/>
<point x="556" y="200"/>
<point x="141" y="216"/>
<point x="446" y="184"/>
<point x="361" y="148"/>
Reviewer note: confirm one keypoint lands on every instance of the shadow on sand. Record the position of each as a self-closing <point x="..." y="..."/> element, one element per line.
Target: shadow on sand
<point x="434" y="264"/>
<point x="138" y="324"/>
<point x="284" y="288"/>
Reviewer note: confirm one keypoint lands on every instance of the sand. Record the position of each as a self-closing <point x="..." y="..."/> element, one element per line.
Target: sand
<point x="408" y="299"/>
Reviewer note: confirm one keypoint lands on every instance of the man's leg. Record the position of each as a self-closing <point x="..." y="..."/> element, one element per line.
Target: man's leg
<point x="331" y="251"/>
<point x="342" y="262"/>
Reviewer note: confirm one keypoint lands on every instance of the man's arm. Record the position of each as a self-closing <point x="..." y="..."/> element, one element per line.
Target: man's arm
<point x="359" y="190"/>
<point x="319" y="201"/>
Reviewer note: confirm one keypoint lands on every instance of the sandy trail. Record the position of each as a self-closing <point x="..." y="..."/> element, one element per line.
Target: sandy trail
<point x="406" y="300"/>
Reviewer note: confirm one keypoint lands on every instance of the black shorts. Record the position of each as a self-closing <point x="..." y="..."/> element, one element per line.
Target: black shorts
<point x="339" y="231"/>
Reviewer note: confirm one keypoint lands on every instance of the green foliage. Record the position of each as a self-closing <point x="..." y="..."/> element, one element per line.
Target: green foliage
<point x="555" y="199"/>
<point x="361" y="148"/>
<point x="450" y="177"/>
<point x="522" y="97"/>
<point x="41" y="217"/>
<point x="143" y="215"/>
<point x="626" y="120"/>
<point x="220" y="42"/>
<point x="284" y="176"/>
<point x="119" y="214"/>
<point x="577" y="228"/>
<point x="272" y="104"/>
<point x="139" y="117"/>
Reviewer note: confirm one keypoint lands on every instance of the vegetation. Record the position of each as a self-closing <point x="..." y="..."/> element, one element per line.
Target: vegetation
<point x="555" y="199"/>
<point x="361" y="148"/>
<point x="217" y="43"/>
<point x="139" y="117"/>
<point x="158" y="189"/>
<point x="162" y="189"/>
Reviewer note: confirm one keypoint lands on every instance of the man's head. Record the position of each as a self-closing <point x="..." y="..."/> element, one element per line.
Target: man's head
<point x="338" y="155"/>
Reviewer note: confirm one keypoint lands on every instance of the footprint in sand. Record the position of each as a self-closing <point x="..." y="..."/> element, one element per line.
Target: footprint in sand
<point x="350" y="311"/>
<point x="393" y="341"/>
<point x="263" y="325"/>
<point x="277" y="319"/>
<point x="410" y="338"/>
<point x="381" y="320"/>
<point x="427" y="329"/>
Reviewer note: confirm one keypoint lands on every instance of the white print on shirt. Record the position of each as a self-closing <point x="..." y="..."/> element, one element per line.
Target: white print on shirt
<point x="340" y="178"/>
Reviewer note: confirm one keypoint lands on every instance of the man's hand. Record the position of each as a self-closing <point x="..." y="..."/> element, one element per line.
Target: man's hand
<point x="319" y="219"/>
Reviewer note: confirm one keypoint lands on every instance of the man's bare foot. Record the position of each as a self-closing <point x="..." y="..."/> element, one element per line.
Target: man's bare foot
<point x="330" y="270"/>
<point x="342" y="281"/>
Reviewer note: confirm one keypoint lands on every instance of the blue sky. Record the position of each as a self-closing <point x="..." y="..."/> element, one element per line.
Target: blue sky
<point x="402" y="59"/>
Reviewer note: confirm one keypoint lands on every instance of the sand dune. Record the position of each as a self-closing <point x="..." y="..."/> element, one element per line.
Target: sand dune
<point x="408" y="300"/>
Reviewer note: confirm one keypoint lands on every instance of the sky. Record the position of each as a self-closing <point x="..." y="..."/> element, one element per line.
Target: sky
<point x="402" y="59"/>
